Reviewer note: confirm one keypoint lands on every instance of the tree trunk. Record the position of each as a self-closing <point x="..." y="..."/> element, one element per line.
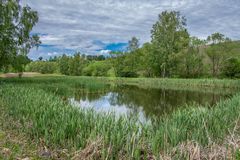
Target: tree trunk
<point x="20" y="74"/>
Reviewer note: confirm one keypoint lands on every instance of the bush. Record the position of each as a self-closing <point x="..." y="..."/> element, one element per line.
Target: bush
<point x="98" y="68"/>
<point x="43" y="67"/>
<point x="231" y="68"/>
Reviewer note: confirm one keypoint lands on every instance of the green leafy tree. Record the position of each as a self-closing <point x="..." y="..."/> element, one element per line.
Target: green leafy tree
<point x="231" y="67"/>
<point x="98" y="68"/>
<point x="125" y="65"/>
<point x="145" y="59"/>
<point x="76" y="64"/>
<point x="69" y="65"/>
<point x="190" y="61"/>
<point x="217" y="51"/>
<point x="53" y="59"/>
<point x="169" y="36"/>
<point x="133" y="44"/>
<point x="19" y="64"/>
<point x="44" y="67"/>
<point x="64" y="64"/>
<point x="16" y="23"/>
<point x="118" y="64"/>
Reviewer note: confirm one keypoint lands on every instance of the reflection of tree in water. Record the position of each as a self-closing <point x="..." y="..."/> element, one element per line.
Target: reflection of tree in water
<point x="85" y="94"/>
<point x="152" y="101"/>
<point x="159" y="101"/>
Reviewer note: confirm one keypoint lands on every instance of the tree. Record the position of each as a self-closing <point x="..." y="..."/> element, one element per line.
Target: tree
<point x="16" y="23"/>
<point x="97" y="68"/>
<point x="118" y="64"/>
<point x="192" y="59"/>
<point x="146" y="60"/>
<point x="169" y="36"/>
<point x="231" y="67"/>
<point x="133" y="44"/>
<point x="40" y="58"/>
<point x="216" y="51"/>
<point x="64" y="64"/>
<point x="19" y="64"/>
<point x="44" y="67"/>
<point x="216" y="38"/>
<point x="53" y="59"/>
<point x="76" y="64"/>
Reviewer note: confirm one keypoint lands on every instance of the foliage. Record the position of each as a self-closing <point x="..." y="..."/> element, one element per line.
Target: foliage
<point x="72" y="65"/>
<point x="20" y="62"/>
<point x="42" y="67"/>
<point x="133" y="44"/>
<point x="192" y="62"/>
<point x="64" y="64"/>
<point x="231" y="68"/>
<point x="169" y="36"/>
<point x="189" y="63"/>
<point x="216" y="51"/>
<point x="97" y="68"/>
<point x="76" y="65"/>
<point x="16" y="23"/>
<point x="125" y="65"/>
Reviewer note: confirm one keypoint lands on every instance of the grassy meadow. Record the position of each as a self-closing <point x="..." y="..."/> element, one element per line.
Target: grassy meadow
<point x="195" y="131"/>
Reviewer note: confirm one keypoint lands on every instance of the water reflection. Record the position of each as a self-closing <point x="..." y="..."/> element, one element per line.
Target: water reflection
<point x="145" y="102"/>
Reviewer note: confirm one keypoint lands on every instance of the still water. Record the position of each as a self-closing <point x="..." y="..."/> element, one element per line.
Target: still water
<point x="146" y="103"/>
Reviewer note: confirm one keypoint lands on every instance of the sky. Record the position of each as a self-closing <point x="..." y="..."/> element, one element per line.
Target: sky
<point x="99" y="26"/>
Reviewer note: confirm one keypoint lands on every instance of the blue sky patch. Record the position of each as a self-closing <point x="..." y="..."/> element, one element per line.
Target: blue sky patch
<point x="116" y="46"/>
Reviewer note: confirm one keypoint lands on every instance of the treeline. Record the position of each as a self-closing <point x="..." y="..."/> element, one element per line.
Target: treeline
<point x="76" y="65"/>
<point x="200" y="59"/>
<point x="172" y="52"/>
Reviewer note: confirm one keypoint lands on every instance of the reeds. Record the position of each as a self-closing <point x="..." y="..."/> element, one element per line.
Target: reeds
<point x="44" y="115"/>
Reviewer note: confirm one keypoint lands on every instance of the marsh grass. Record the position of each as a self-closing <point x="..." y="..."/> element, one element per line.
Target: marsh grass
<point x="95" y="83"/>
<point x="44" y="115"/>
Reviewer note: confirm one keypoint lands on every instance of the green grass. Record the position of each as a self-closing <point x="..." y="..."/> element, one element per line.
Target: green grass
<point x="44" y="115"/>
<point x="96" y="82"/>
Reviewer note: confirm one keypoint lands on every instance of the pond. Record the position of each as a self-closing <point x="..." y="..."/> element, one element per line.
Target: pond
<point x="146" y="102"/>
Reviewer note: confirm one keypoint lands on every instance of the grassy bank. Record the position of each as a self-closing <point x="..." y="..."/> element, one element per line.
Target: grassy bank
<point x="171" y="83"/>
<point x="175" y="84"/>
<point x="14" y="144"/>
<point x="45" y="118"/>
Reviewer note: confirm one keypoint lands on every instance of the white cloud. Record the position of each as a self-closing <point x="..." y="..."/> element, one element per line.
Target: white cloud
<point x="104" y="52"/>
<point x="50" y="54"/>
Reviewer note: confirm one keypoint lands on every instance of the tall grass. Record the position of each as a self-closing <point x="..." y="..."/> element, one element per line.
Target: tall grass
<point x="151" y="82"/>
<point x="185" y="84"/>
<point x="44" y="115"/>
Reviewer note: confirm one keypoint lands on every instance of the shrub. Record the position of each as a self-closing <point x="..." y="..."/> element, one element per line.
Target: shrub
<point x="97" y="68"/>
<point x="231" y="68"/>
<point x="43" y="67"/>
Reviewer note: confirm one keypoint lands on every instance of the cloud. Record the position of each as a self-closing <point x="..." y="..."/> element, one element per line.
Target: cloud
<point x="90" y="26"/>
<point x="104" y="52"/>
